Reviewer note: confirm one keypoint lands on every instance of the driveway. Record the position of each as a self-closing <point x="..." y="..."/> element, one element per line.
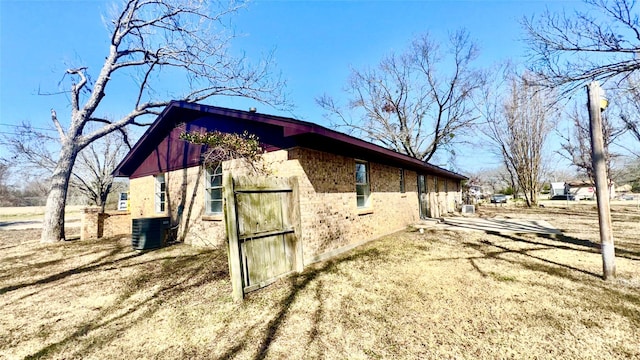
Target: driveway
<point x="494" y="225"/>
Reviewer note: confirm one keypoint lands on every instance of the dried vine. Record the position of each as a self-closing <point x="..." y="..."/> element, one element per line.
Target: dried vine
<point x="223" y="146"/>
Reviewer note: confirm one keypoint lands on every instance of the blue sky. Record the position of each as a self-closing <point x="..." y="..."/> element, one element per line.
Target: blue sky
<point x="316" y="43"/>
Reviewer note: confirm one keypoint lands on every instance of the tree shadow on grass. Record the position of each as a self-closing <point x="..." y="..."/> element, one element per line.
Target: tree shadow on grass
<point x="108" y="258"/>
<point x="169" y="278"/>
<point x="297" y="284"/>
<point x="145" y="294"/>
<point x="607" y="296"/>
<point x="527" y="253"/>
<point x="620" y="251"/>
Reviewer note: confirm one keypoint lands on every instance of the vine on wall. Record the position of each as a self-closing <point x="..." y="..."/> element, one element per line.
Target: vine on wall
<point x="221" y="146"/>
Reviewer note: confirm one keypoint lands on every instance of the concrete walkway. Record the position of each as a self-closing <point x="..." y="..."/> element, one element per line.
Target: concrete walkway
<point x="502" y="226"/>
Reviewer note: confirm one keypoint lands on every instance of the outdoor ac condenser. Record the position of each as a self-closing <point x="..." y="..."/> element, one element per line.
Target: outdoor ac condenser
<point x="468" y="209"/>
<point x="149" y="233"/>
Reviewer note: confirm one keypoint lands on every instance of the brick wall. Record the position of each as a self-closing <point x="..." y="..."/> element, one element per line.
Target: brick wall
<point x="184" y="204"/>
<point x="141" y="197"/>
<point x="330" y="219"/>
<point x="95" y="225"/>
<point x="115" y="223"/>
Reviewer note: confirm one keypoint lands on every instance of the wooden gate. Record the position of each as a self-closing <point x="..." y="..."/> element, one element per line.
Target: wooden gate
<point x="262" y="222"/>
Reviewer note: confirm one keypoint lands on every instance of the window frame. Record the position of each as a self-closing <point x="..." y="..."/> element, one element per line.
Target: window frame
<point x="160" y="193"/>
<point x="209" y="189"/>
<point x="366" y="186"/>
<point x="403" y="188"/>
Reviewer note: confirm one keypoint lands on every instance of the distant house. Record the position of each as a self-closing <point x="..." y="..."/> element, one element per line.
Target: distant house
<point x="350" y="190"/>
<point x="624" y="188"/>
<point x="476" y="191"/>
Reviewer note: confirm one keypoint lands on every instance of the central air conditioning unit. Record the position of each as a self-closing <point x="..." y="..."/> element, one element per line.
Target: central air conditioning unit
<point x="468" y="209"/>
<point x="150" y="233"/>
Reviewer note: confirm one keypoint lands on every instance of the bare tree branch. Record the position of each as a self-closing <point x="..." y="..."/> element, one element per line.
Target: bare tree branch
<point x="77" y="88"/>
<point x="56" y="123"/>
<point x="568" y="50"/>
<point x="407" y="103"/>
<point x="630" y="106"/>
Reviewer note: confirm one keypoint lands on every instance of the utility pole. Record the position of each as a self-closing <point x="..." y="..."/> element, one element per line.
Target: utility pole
<point x="596" y="104"/>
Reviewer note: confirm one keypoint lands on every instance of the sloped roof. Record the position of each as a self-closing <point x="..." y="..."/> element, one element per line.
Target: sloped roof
<point x="282" y="132"/>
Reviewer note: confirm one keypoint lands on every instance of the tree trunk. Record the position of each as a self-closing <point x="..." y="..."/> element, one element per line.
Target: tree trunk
<point x="53" y="225"/>
<point x="104" y="193"/>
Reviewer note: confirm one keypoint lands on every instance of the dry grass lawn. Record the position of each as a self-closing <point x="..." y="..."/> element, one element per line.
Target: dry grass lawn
<point x="440" y="295"/>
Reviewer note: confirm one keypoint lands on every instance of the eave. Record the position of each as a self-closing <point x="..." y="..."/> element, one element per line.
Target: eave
<point x="295" y="132"/>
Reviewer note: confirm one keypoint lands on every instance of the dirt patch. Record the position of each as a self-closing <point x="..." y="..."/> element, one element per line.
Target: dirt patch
<point x="440" y="294"/>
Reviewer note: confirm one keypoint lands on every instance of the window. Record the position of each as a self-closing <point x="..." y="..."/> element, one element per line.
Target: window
<point x="161" y="193"/>
<point x="362" y="184"/>
<point x="213" y="190"/>
<point x="402" y="189"/>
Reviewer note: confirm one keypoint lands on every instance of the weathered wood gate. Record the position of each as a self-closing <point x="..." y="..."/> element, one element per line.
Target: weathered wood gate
<point x="262" y="222"/>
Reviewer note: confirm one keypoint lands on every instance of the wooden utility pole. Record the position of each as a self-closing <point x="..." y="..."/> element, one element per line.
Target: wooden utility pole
<point x="596" y="105"/>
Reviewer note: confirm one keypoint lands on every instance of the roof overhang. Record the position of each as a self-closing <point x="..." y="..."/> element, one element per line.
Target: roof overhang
<point x="297" y="132"/>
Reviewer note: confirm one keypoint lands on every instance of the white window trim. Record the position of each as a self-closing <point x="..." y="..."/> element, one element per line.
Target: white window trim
<point x="207" y="188"/>
<point x="160" y="196"/>
<point x="367" y="183"/>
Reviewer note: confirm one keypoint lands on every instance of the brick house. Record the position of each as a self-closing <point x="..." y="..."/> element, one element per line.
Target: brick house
<point x="350" y="191"/>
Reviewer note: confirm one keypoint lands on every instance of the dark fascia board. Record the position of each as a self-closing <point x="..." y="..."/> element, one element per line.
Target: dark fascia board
<point x="291" y="128"/>
<point x="144" y="140"/>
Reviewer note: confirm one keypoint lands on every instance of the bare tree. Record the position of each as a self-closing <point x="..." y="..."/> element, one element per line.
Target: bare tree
<point x="149" y="39"/>
<point x="33" y="192"/>
<point x="576" y="147"/>
<point x="415" y="102"/>
<point x="5" y="192"/>
<point x="630" y="173"/>
<point x="517" y="125"/>
<point x="92" y="175"/>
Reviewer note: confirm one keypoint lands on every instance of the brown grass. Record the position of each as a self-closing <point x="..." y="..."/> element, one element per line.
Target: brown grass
<point x="409" y="295"/>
